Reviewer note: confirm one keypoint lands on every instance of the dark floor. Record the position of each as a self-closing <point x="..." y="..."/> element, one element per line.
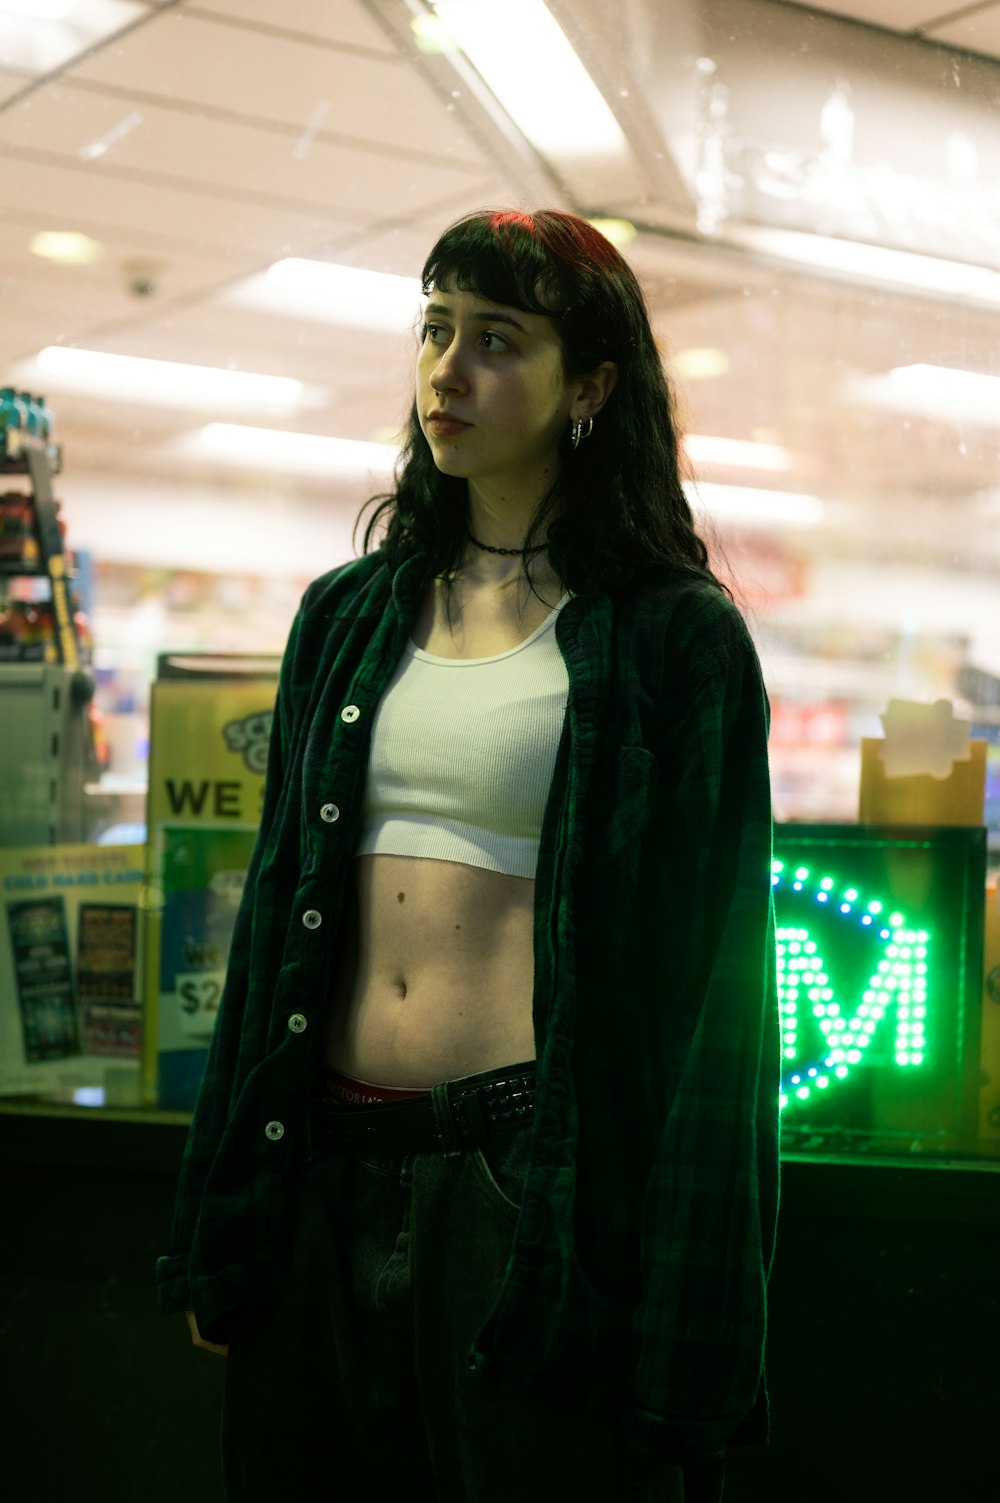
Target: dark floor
<point x="884" y="1347"/>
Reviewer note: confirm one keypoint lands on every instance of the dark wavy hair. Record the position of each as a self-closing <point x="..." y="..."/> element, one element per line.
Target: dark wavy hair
<point x="620" y="510"/>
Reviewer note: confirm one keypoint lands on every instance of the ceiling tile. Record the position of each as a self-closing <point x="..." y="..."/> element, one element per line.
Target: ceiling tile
<point x="73" y="122"/>
<point x="404" y="247"/>
<point x="205" y="223"/>
<point x="31" y="322"/>
<point x="978" y="32"/>
<point x="309" y="86"/>
<point x="894" y="15"/>
<point x="11" y="83"/>
<point x="184" y="273"/>
<point x="213" y="334"/>
<point x="65" y="305"/>
<point x="343" y="21"/>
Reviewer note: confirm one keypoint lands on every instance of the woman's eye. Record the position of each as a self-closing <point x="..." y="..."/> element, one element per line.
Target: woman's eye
<point x="496" y="341"/>
<point x="431" y="331"/>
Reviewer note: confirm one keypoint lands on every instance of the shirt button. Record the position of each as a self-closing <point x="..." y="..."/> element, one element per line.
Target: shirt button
<point x="274" y="1131"/>
<point x="312" y="919"/>
<point x="297" y="1023"/>
<point x="329" y="813"/>
<point x="350" y="713"/>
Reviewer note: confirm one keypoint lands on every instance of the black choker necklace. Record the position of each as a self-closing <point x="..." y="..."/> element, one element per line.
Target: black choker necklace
<point x="537" y="548"/>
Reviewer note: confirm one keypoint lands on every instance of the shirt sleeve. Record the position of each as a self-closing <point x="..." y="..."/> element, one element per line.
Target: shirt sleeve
<point x="710" y="1202"/>
<point x="220" y="1083"/>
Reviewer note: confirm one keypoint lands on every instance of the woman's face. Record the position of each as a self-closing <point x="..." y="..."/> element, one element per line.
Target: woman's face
<point x="492" y="399"/>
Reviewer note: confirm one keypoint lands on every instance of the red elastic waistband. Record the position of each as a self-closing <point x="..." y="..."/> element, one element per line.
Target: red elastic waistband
<point x="344" y="1090"/>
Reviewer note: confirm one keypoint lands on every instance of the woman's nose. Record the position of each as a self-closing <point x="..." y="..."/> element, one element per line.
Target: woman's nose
<point x="447" y="374"/>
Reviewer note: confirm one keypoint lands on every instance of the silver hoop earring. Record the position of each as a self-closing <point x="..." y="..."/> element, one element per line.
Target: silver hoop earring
<point x="578" y="431"/>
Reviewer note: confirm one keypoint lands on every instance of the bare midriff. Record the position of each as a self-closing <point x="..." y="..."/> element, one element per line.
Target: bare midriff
<point x="436" y="975"/>
<point x="438" y="972"/>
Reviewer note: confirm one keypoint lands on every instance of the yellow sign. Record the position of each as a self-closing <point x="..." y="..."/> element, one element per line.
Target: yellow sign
<point x="208" y="755"/>
<point x="208" y="750"/>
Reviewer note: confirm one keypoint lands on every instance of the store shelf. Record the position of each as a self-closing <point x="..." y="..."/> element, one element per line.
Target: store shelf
<point x="39" y="652"/>
<point x="40" y="463"/>
<point x="19" y="463"/>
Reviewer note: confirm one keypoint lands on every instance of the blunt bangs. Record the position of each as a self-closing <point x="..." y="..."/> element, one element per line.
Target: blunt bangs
<point x="502" y="258"/>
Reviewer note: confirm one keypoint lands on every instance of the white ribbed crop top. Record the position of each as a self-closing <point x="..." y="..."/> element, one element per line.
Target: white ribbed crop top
<point x="462" y="755"/>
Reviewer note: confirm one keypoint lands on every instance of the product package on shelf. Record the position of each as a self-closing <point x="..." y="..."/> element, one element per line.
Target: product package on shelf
<point x="33" y="546"/>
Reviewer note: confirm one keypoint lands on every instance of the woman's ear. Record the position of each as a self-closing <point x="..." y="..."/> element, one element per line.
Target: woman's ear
<point x="594" y="390"/>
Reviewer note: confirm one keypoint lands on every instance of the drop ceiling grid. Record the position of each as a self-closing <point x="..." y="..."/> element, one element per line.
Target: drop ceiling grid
<point x="975" y="27"/>
<point x="893" y="15"/>
<point x="11" y="83"/>
<point x="340" y="21"/>
<point x="226" y="196"/>
<point x="245" y="233"/>
<point x="186" y="149"/>
<point x="284" y="82"/>
<point x="978" y="31"/>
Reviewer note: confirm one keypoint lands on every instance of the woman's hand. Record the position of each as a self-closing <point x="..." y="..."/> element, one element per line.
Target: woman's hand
<point x="198" y="1339"/>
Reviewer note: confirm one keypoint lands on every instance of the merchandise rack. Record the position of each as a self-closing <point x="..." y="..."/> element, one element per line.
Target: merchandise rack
<point x="47" y="748"/>
<point x="40" y="461"/>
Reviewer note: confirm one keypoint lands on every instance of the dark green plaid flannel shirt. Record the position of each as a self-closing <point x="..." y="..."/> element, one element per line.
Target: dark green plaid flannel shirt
<point x="638" y="1273"/>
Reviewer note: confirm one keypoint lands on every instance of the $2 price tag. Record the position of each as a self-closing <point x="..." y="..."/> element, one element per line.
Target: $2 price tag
<point x="198" y="995"/>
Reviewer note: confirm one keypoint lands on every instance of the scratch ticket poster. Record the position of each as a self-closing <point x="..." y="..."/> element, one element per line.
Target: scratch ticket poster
<point x="70" y="971"/>
<point x="208" y="753"/>
<point x="201" y="870"/>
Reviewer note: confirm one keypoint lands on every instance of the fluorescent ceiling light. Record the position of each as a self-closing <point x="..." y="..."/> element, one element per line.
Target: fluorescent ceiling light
<point x="345" y="295"/>
<point x="129" y="378"/>
<point x="933" y="391"/>
<point x="742" y="504"/>
<point x="699" y="364"/>
<point x="943" y="381"/>
<point x="519" y="50"/>
<point x="872" y="263"/>
<point x="306" y="451"/>
<point x="36" y="10"/>
<point x="66" y="247"/>
<point x="37" y="36"/>
<point x="736" y="451"/>
<point x="431" y="34"/>
<point x="620" y="232"/>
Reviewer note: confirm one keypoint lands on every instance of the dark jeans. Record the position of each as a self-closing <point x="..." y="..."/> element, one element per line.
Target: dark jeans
<point x="354" y="1383"/>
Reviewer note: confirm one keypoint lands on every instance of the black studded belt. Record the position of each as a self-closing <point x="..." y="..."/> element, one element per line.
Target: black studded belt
<point x="452" y="1116"/>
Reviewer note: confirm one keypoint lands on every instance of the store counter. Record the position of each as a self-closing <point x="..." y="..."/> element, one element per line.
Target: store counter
<point x="884" y="1324"/>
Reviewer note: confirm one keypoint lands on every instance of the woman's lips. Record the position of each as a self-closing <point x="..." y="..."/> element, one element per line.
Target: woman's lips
<point x="445" y="427"/>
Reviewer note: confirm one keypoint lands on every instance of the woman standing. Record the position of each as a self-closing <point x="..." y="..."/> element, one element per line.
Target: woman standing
<point x="481" y="1189"/>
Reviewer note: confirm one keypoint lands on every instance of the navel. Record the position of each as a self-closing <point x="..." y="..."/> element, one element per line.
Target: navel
<point x="400" y="896"/>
